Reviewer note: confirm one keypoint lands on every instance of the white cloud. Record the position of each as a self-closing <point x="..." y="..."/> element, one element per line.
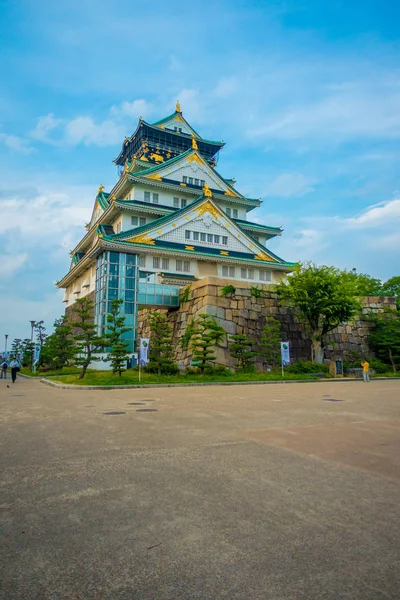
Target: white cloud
<point x="18" y="144"/>
<point x="84" y="130"/>
<point x="190" y="103"/>
<point x="11" y="263"/>
<point x="384" y="212"/>
<point x="226" y="86"/>
<point x="44" y="126"/>
<point x="134" y="110"/>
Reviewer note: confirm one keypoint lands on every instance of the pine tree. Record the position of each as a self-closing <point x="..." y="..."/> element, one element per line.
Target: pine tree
<point x="160" y="354"/>
<point x="206" y="335"/>
<point x="16" y="347"/>
<point x="117" y="355"/>
<point x="239" y="345"/>
<point x="270" y="342"/>
<point x="27" y="352"/>
<point x="59" y="347"/>
<point x="88" y="343"/>
<point x="40" y="333"/>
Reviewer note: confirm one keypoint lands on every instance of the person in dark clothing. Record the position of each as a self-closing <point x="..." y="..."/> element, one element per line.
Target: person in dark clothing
<point x="14" y="364"/>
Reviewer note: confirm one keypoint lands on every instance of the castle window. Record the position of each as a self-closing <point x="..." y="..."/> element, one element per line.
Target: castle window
<point x="243" y="273"/>
<point x="142" y="260"/>
<point x="225" y="239"/>
<point x="176" y="202"/>
<point x="183" y="265"/>
<point x="183" y="202"/>
<point x="228" y="211"/>
<point x="156" y="262"/>
<point x="147" y="196"/>
<point x="190" y="180"/>
<point x="155" y="198"/>
<point x="228" y="271"/>
<point x="216" y="239"/>
<point x="196" y="236"/>
<point x="203" y="237"/>
<point x="187" y="235"/>
<point x="184" y="179"/>
<point x="135" y="221"/>
<point x="196" y="182"/>
<point x="265" y="275"/>
<point x="235" y="213"/>
<point x="210" y="237"/>
<point x="186" y="266"/>
<point x="165" y="263"/>
<point x="202" y="182"/>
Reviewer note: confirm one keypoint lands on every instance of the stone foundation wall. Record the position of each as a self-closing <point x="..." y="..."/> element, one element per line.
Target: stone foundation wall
<point x="245" y="314"/>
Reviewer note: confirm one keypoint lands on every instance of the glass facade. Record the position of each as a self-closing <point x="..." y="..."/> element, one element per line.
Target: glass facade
<point x="118" y="276"/>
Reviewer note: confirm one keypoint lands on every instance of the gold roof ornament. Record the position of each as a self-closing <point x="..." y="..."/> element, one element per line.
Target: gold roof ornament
<point x="101" y="188"/>
<point x="126" y="166"/>
<point x="178" y="107"/>
<point x="194" y="144"/>
<point x="206" y="191"/>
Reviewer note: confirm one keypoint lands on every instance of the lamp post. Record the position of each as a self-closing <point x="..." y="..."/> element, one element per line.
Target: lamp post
<point x="5" y="350"/>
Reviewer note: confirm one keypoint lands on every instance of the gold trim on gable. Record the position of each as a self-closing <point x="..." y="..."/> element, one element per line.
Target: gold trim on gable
<point x="263" y="256"/>
<point x="189" y="247"/>
<point x="208" y="207"/>
<point x="194" y="158"/>
<point x="156" y="177"/>
<point x="141" y="239"/>
<point x="230" y="193"/>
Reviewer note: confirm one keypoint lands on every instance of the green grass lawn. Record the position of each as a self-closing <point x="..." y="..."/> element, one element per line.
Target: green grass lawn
<point x="58" y="372"/>
<point x="131" y="377"/>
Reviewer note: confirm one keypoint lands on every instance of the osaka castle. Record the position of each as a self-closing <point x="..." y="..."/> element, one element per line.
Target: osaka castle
<point x="170" y="219"/>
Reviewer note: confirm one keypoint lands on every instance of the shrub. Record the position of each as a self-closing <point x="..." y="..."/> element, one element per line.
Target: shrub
<point x="168" y="368"/>
<point x="306" y="367"/>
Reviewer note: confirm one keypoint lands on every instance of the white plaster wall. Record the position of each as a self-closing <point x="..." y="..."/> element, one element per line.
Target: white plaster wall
<point x="88" y="276"/>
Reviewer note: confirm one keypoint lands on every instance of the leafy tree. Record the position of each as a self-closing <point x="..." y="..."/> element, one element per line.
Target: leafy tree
<point x="239" y="348"/>
<point x="160" y="353"/>
<point x="59" y="347"/>
<point x="88" y="343"/>
<point x="270" y="341"/>
<point x="187" y="336"/>
<point x="392" y="288"/>
<point x="322" y="297"/>
<point x="385" y="338"/>
<point x="40" y="333"/>
<point x="227" y="290"/>
<point x="206" y="335"/>
<point x="362" y="284"/>
<point x="117" y="355"/>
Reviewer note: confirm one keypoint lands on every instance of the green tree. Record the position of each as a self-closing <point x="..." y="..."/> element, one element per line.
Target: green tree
<point x="16" y="347"/>
<point x="391" y="287"/>
<point x="40" y="330"/>
<point x="206" y="335"/>
<point x="239" y="348"/>
<point x="118" y="353"/>
<point x="385" y="338"/>
<point x="362" y="284"/>
<point x="270" y="342"/>
<point x="185" y="294"/>
<point x="26" y="348"/>
<point x="58" y="348"/>
<point x="160" y="352"/>
<point x="323" y="298"/>
<point x="87" y="342"/>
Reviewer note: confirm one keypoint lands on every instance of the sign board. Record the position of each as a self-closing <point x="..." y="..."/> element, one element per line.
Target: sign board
<point x="285" y="354"/>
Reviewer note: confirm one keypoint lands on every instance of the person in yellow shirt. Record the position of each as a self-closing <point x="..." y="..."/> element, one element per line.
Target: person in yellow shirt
<point x="365" y="366"/>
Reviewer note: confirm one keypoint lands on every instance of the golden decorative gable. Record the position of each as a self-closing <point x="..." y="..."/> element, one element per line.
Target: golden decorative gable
<point x="141" y="239"/>
<point x="208" y="207"/>
<point x="155" y="176"/>
<point x="194" y="158"/>
<point x="263" y="256"/>
<point x="230" y="193"/>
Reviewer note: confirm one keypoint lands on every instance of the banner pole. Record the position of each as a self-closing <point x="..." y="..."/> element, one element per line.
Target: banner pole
<point x="282" y="369"/>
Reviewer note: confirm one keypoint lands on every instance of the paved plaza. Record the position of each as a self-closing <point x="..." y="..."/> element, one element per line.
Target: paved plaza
<point x="263" y="492"/>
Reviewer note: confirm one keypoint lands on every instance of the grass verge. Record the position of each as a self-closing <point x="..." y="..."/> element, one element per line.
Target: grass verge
<point x="105" y="378"/>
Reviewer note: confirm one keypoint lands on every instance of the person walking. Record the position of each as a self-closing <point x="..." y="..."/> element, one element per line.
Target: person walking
<point x="14" y="364"/>
<point x="365" y="366"/>
<point x="4" y="367"/>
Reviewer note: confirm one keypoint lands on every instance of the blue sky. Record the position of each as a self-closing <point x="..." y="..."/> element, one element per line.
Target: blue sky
<point x="305" y="94"/>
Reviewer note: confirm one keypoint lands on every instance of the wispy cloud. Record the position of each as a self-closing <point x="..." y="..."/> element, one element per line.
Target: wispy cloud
<point x="15" y="143"/>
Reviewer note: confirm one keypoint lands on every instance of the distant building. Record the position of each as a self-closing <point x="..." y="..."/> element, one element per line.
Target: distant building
<point x="170" y="219"/>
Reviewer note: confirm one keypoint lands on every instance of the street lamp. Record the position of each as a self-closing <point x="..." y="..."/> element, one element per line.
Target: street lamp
<point x="33" y="323"/>
<point x="6" y="336"/>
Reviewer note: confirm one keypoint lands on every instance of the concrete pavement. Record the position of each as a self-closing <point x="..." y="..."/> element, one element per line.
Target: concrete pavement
<point x="246" y="492"/>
